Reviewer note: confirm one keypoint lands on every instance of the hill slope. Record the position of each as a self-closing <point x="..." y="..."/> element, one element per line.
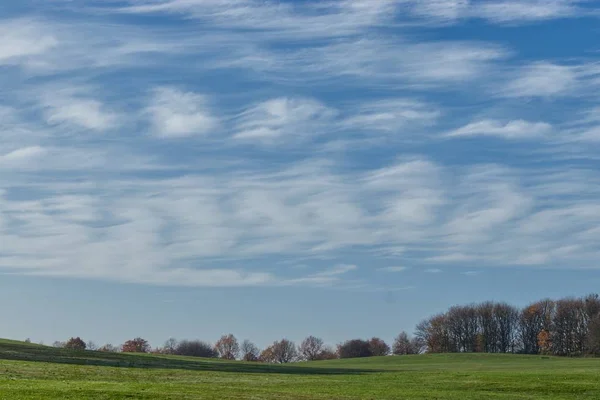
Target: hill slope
<point x="30" y="371"/>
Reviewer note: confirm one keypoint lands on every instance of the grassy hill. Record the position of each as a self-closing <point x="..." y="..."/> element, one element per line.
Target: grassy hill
<point x="29" y="371"/>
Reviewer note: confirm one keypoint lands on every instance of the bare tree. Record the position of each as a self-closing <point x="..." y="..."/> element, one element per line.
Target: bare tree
<point x="403" y="345"/>
<point x="282" y="352"/>
<point x="59" y="344"/>
<point x="378" y="347"/>
<point x="109" y="348"/>
<point x="310" y="349"/>
<point x="227" y="347"/>
<point x="91" y="346"/>
<point x="170" y="346"/>
<point x="249" y="351"/>
<point x="535" y="318"/>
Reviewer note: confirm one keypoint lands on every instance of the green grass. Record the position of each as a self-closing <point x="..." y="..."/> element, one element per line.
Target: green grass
<point x="30" y="371"/>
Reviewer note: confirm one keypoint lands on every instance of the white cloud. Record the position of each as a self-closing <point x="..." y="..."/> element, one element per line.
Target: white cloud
<point x="326" y="277"/>
<point x="392" y="115"/>
<point x="324" y="19"/>
<point x="433" y="270"/>
<point x="72" y="106"/>
<point x="511" y="11"/>
<point x="23" y="40"/>
<point x="177" y="114"/>
<point x="21" y="156"/>
<point x="393" y="269"/>
<point x="283" y="119"/>
<point x="542" y="80"/>
<point x="516" y="129"/>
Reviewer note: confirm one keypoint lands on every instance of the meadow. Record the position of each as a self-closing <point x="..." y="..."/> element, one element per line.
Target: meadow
<point x="29" y="371"/>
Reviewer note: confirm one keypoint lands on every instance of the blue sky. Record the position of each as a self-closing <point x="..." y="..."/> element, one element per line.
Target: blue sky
<point x="190" y="168"/>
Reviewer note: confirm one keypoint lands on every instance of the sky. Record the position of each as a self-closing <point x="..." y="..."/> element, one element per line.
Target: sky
<point x="191" y="168"/>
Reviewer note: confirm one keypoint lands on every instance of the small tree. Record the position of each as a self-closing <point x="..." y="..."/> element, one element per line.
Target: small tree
<point x="91" y="346"/>
<point x="75" y="344"/>
<point x="310" y="348"/>
<point x="109" y="348"/>
<point x="267" y="355"/>
<point x="378" y="347"/>
<point x="59" y="344"/>
<point x="403" y="345"/>
<point x="227" y="347"/>
<point x="137" y="345"/>
<point x="170" y="346"/>
<point x="249" y="351"/>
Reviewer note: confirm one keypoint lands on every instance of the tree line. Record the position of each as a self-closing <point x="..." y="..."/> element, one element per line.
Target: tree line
<point x="566" y="327"/>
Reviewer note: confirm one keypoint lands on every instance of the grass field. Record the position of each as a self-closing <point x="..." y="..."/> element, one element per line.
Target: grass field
<point x="29" y="371"/>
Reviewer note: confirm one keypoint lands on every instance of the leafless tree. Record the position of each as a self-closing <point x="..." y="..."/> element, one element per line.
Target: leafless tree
<point x="378" y="347"/>
<point x="310" y="348"/>
<point x="403" y="345"/>
<point x="170" y="346"/>
<point x="249" y="351"/>
<point x="282" y="352"/>
<point x="227" y="347"/>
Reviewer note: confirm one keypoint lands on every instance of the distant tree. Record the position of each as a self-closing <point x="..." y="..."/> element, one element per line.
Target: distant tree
<point x="281" y="352"/>
<point x="327" y="354"/>
<point x="403" y="345"/>
<point x="91" y="346"/>
<point x="195" y="348"/>
<point x="170" y="346"/>
<point x="249" y="351"/>
<point x="59" y="344"/>
<point x="109" y="348"/>
<point x="310" y="349"/>
<point x="267" y="355"/>
<point x="75" y="344"/>
<point x="593" y="337"/>
<point x="137" y="345"/>
<point x="379" y="347"/>
<point x="227" y="347"/>
<point x="433" y="332"/>
<point x="27" y="340"/>
<point x="535" y="318"/>
<point x="355" y="348"/>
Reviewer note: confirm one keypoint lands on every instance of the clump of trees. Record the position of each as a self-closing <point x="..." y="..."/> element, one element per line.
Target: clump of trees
<point x="566" y="327"/>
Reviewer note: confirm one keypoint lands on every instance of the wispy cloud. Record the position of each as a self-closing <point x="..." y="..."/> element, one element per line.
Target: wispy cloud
<point x="517" y="129"/>
<point x="393" y="269"/>
<point x="176" y="114"/>
<point x="287" y="119"/>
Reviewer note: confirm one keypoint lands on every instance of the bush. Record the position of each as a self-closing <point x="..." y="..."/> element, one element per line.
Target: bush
<point x="354" y="349"/>
<point x="195" y="348"/>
